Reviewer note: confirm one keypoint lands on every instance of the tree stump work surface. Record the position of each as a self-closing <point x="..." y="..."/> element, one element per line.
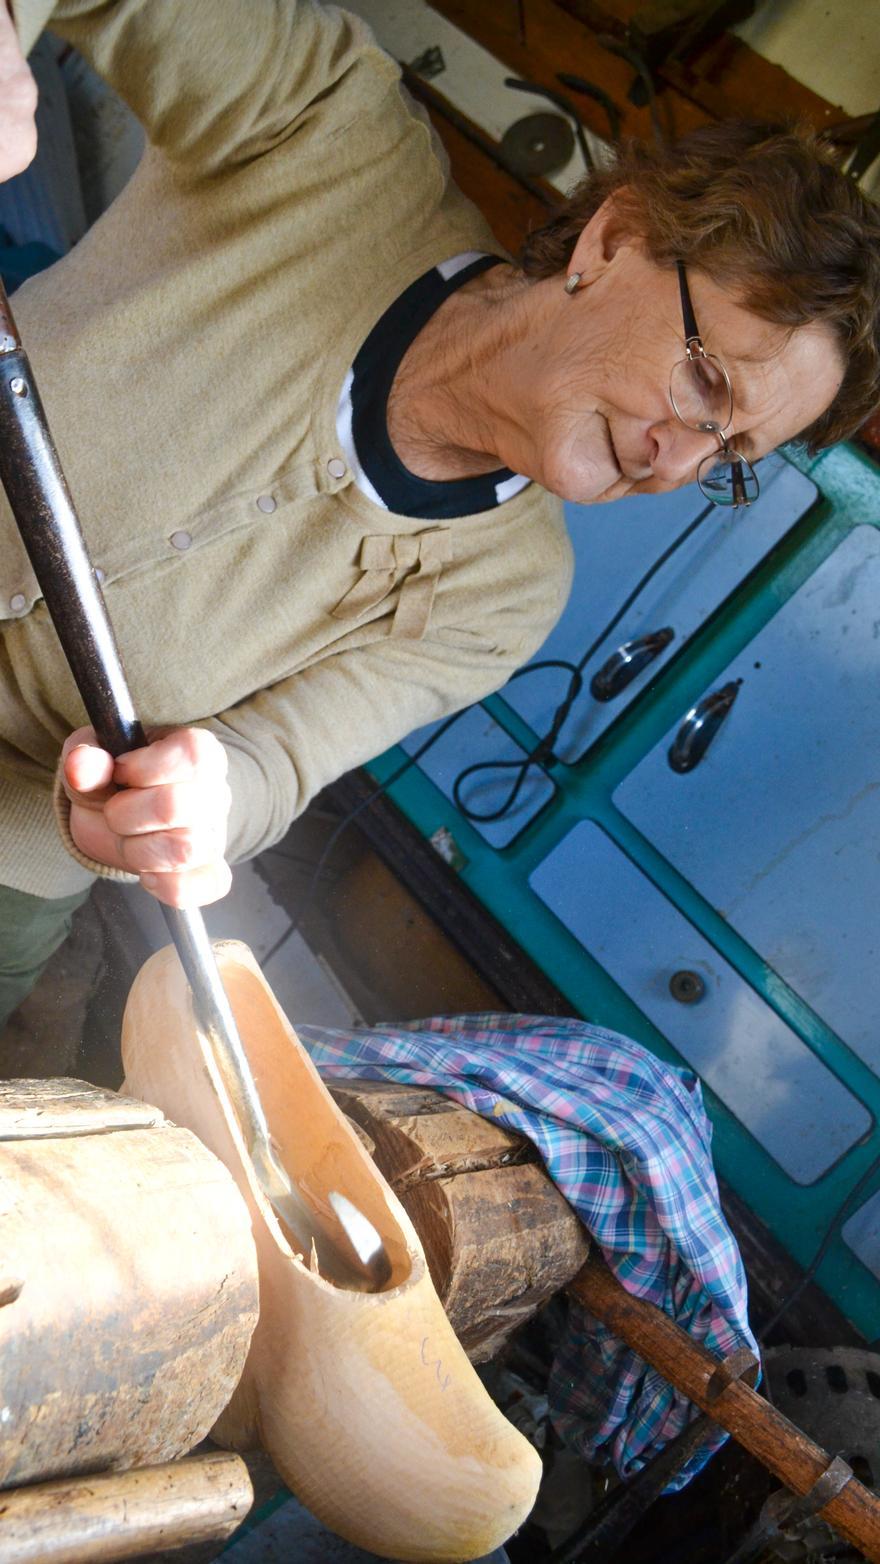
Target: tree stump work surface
<point x="498" y="1236"/>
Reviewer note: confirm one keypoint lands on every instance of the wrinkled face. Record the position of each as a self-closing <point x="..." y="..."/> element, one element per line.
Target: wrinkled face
<point x="603" y="424"/>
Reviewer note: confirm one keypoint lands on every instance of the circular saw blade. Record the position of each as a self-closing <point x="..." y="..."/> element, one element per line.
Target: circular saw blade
<point x="538" y="144"/>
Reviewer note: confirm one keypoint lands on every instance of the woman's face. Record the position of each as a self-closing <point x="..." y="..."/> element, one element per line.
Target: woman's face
<point x="600" y="424"/>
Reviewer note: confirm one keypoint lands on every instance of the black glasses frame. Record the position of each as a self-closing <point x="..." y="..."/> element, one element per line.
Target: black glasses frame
<point x="739" y="465"/>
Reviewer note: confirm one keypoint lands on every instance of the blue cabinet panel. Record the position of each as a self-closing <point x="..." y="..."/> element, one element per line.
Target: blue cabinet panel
<point x="779" y="825"/>
<point x="758" y="870"/>
<point x="862" y="1234"/>
<point x="760" y="1069"/>
<point x="473" y="738"/>
<point x="614" y="546"/>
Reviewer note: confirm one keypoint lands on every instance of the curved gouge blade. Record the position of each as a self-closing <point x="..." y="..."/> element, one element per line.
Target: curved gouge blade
<point x="364" y="1260"/>
<point x="364" y="1239"/>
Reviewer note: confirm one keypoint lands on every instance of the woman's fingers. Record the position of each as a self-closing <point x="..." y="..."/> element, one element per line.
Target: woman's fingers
<point x="159" y="812"/>
<point x="196" y="888"/>
<point x="186" y="755"/>
<point x="171" y="852"/>
<point x="137" y="810"/>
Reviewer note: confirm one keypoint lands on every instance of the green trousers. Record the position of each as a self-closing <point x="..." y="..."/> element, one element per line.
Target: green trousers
<point x="31" y="929"/>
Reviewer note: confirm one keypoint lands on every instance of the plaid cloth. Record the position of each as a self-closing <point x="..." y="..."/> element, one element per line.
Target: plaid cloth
<point x="627" y="1140"/>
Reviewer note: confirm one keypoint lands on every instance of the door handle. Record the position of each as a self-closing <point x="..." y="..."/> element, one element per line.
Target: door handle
<point x="700" y="727"/>
<point x="628" y="661"/>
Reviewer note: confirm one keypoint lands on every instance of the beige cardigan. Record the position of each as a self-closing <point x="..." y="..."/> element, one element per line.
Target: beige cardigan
<point x="190" y="352"/>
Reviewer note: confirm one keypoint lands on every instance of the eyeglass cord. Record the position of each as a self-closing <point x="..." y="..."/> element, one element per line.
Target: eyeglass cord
<point x="543" y="753"/>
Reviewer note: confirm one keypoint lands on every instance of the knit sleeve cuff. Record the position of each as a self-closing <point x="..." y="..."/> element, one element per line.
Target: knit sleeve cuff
<point x="61" y="810"/>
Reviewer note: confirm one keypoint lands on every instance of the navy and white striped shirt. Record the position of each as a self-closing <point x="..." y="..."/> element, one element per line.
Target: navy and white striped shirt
<point x="361" y="415"/>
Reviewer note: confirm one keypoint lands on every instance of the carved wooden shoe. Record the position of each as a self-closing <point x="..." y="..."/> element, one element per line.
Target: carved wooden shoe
<point x="365" y="1402"/>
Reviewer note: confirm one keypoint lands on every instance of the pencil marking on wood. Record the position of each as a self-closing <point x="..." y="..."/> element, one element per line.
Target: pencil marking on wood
<point x="443" y="1380"/>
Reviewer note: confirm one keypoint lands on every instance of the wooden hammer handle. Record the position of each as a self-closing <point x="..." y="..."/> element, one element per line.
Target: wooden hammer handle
<point x="753" y="1422"/>
<point x="90" y="1520"/>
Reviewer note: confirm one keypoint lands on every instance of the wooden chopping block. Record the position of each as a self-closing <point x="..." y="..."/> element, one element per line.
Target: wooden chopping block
<point x="128" y="1283"/>
<point x="498" y="1236"/>
<point x="93" y="1520"/>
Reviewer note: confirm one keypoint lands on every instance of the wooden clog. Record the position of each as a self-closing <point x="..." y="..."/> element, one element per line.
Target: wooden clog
<point x="366" y="1402"/>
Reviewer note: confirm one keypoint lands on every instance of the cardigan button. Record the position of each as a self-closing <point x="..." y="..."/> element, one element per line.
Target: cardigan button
<point x="180" y="540"/>
<point x="267" y="503"/>
<point x="336" y="467"/>
<point x="17" y="602"/>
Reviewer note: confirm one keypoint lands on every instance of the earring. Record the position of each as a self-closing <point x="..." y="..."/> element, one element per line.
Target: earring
<point x="572" y="284"/>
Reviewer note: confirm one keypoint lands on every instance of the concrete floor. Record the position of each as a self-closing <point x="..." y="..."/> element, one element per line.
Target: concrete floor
<point x="302" y="981"/>
<point x="290" y="1533"/>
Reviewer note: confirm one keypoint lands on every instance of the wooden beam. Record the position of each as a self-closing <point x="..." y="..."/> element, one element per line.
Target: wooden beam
<point x="91" y="1520"/>
<point x="726" y="78"/>
<point x="557" y="41"/>
<point x="778" y="1444"/>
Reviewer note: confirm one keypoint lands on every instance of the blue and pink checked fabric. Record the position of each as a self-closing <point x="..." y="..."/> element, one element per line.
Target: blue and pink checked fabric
<point x="627" y="1140"/>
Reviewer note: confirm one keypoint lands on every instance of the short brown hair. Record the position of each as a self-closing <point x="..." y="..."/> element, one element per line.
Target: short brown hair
<point x="765" y="210"/>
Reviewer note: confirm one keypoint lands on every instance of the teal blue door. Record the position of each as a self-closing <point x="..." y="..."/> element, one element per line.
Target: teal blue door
<point x="698" y="865"/>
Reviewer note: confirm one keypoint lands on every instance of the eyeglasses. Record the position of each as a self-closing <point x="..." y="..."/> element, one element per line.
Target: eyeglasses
<point x="702" y="398"/>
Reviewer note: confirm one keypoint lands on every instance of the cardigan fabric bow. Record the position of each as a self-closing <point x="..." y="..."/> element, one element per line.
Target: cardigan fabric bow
<point x="383" y="560"/>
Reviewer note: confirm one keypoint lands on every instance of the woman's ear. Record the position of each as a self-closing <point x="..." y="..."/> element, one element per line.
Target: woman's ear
<point x="607" y="231"/>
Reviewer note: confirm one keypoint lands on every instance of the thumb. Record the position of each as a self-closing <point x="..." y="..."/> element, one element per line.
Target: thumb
<point x="87" y="770"/>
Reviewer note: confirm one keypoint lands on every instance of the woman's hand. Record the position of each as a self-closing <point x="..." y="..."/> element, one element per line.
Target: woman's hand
<point x="160" y="812"/>
<point x="18" y="102"/>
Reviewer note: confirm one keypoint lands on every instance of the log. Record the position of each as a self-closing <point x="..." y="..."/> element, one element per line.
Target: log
<point x="365" y="1402"/>
<point x="124" y="1320"/>
<point x="92" y="1520"/>
<point x="34" y="1110"/>
<point x="498" y="1236"/>
<point x="754" y="1423"/>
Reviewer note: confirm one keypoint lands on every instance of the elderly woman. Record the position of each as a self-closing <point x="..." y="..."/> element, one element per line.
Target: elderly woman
<point x="315" y="424"/>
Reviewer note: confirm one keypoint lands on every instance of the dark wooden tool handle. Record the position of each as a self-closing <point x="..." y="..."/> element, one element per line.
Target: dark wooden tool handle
<point x="93" y="1520"/>
<point x="754" y="1423"/>
<point x="31" y="474"/>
